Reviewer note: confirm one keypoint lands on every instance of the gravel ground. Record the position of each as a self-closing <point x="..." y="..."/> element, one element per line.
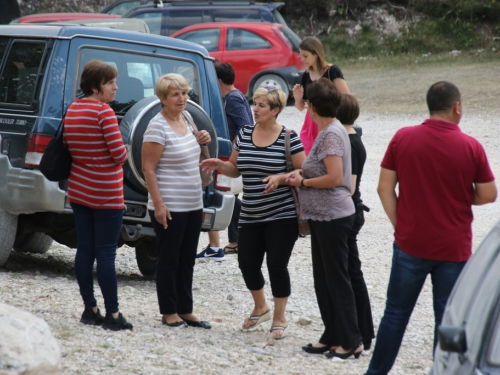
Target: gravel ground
<point x="45" y="285"/>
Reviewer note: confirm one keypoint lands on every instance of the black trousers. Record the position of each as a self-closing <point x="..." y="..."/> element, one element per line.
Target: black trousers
<point x="232" y="229"/>
<point x="274" y="239"/>
<point x="177" y="247"/>
<point x="363" y="307"/>
<point x="330" y="259"/>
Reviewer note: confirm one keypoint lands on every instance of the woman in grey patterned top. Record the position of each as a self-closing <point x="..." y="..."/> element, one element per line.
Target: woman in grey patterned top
<point x="326" y="202"/>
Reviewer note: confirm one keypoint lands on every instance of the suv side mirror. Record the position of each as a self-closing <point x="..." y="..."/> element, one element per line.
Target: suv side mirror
<point x="452" y="339"/>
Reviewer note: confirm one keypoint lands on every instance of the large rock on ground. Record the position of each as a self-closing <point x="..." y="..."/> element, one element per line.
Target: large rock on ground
<point x="26" y="341"/>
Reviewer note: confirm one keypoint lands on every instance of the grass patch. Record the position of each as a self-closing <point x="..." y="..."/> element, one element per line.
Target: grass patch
<point x="427" y="42"/>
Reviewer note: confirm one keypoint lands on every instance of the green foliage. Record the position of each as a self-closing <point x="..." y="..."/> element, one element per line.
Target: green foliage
<point x="472" y="10"/>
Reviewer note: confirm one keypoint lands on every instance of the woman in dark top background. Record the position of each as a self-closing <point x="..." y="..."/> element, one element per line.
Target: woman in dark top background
<point x="347" y="115"/>
<point x="313" y="57"/>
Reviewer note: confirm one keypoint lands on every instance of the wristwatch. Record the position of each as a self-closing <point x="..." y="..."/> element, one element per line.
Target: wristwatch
<point x="302" y="182"/>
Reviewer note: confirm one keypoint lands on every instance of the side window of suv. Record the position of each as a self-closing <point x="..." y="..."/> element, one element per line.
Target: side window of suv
<point x="229" y="15"/>
<point x="137" y="74"/>
<point x="179" y="19"/>
<point x="21" y="66"/>
<point x="153" y="20"/>
<point x="243" y="39"/>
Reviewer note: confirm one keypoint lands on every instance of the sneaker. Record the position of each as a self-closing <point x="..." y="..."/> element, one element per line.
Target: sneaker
<point x="210" y="254"/>
<point x="91" y="318"/>
<point x="116" y="324"/>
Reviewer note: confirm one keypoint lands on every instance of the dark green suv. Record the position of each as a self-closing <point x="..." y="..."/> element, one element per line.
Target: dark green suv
<point x="165" y="18"/>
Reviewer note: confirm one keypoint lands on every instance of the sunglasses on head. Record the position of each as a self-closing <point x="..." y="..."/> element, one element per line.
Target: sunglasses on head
<point x="270" y="88"/>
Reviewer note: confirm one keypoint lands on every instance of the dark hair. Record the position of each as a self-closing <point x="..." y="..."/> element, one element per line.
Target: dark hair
<point x="225" y="72"/>
<point x="442" y="96"/>
<point x="96" y="73"/>
<point x="314" y="46"/>
<point x="349" y="109"/>
<point x="325" y="97"/>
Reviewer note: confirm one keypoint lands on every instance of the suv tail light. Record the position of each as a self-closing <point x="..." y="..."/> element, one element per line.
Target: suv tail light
<point x="36" y="147"/>
<point x="222" y="182"/>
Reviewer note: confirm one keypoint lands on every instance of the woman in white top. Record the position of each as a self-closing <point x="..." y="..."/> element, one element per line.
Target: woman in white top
<point x="170" y="157"/>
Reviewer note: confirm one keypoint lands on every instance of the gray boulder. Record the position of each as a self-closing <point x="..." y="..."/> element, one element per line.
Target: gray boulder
<point x="26" y="341"/>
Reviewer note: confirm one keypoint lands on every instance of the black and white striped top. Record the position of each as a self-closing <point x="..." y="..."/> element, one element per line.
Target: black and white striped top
<point x="256" y="163"/>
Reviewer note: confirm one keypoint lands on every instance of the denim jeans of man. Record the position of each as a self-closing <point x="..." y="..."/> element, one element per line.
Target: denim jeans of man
<point x="97" y="236"/>
<point x="407" y="278"/>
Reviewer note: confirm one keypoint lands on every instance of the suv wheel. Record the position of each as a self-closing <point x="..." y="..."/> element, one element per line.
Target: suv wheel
<point x="35" y="242"/>
<point x="272" y="80"/>
<point x="8" y="227"/>
<point x="146" y="254"/>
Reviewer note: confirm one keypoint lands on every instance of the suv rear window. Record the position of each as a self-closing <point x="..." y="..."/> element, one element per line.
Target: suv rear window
<point x="21" y="65"/>
<point x="179" y="19"/>
<point x="229" y="15"/>
<point x="137" y="74"/>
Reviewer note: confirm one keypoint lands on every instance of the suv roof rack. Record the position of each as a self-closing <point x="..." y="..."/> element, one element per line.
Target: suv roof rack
<point x="160" y="3"/>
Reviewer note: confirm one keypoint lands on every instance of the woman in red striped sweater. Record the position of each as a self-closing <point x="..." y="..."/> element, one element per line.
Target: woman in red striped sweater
<point x="95" y="190"/>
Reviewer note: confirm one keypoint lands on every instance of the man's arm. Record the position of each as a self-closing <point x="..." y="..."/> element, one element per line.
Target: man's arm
<point x="484" y="193"/>
<point x="387" y="193"/>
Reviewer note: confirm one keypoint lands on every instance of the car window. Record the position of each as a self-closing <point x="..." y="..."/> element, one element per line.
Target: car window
<point x="124" y="7"/>
<point x="278" y="17"/>
<point x="137" y="74"/>
<point x="228" y="15"/>
<point x="244" y="39"/>
<point x="179" y="19"/>
<point x="292" y="38"/>
<point x="153" y="19"/>
<point x="208" y="38"/>
<point x="493" y="356"/>
<point x="19" y="78"/>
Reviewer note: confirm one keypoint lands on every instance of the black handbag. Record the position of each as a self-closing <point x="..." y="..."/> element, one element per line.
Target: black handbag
<point x="56" y="160"/>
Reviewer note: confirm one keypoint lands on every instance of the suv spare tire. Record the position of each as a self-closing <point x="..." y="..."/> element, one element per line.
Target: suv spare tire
<point x="133" y="126"/>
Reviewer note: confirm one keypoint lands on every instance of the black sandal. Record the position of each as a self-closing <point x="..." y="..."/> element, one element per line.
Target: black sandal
<point x="231" y="249"/>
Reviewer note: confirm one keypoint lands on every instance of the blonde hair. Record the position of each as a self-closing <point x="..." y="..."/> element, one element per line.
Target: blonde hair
<point x="170" y="81"/>
<point x="314" y="46"/>
<point x="276" y="98"/>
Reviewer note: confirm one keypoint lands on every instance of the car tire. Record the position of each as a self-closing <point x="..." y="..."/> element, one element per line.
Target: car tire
<point x="273" y="80"/>
<point x="35" y="243"/>
<point x="8" y="225"/>
<point x="146" y="255"/>
<point x="134" y="125"/>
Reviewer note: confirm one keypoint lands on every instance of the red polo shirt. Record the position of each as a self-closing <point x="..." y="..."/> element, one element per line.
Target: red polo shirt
<point x="436" y="165"/>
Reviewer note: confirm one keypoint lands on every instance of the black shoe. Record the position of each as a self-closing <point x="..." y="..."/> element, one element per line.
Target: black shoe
<point x="91" y="318"/>
<point x="199" y="324"/>
<point x="356" y="352"/>
<point x="309" y="348"/>
<point x="180" y="323"/>
<point x="116" y="324"/>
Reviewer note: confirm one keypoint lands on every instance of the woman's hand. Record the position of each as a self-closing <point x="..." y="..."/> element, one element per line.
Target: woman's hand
<point x="298" y="94"/>
<point x="203" y="137"/>
<point x="294" y="178"/>
<point x="162" y="213"/>
<point x="273" y="182"/>
<point x="209" y="165"/>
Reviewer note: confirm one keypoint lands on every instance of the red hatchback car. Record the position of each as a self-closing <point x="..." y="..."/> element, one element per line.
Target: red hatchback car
<point x="262" y="54"/>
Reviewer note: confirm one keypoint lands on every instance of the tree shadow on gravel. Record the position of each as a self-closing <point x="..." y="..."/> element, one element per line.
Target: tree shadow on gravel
<point x="52" y="266"/>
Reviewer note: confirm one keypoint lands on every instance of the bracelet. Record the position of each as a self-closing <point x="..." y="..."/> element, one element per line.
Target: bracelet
<point x="302" y="182"/>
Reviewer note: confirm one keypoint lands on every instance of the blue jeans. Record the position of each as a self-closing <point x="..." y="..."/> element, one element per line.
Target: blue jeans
<point x="97" y="234"/>
<point x="408" y="275"/>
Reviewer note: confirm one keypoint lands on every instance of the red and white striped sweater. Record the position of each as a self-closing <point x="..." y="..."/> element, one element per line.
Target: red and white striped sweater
<point x="92" y="134"/>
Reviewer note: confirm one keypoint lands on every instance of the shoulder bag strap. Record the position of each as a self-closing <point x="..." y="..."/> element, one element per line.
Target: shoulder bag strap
<point x="288" y="154"/>
<point x="189" y="121"/>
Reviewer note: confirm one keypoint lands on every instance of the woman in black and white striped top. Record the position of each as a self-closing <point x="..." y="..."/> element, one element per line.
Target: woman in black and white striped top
<point x="268" y="221"/>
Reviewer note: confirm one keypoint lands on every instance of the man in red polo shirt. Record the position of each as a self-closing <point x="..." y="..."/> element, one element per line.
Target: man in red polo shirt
<point x="441" y="173"/>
